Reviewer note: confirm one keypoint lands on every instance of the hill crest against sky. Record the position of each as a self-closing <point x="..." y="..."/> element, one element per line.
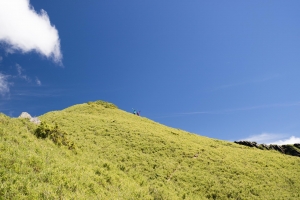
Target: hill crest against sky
<point x="121" y="155"/>
<point x="226" y="70"/>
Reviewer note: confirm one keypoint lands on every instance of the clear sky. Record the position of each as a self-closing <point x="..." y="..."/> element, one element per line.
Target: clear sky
<point x="222" y="69"/>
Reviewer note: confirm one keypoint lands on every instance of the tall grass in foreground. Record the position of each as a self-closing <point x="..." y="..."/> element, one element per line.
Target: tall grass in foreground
<point x="122" y="156"/>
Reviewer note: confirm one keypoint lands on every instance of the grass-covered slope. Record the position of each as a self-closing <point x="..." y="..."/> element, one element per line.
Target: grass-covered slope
<point x="119" y="155"/>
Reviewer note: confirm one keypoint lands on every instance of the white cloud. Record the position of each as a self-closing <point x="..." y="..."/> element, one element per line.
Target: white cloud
<point x="291" y="140"/>
<point x="38" y="82"/>
<point x="271" y="138"/>
<point x="264" y="138"/>
<point x="23" y="29"/>
<point x="4" y="85"/>
<point x="21" y="75"/>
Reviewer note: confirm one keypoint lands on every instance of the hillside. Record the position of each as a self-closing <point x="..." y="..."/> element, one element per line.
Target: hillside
<point x="118" y="155"/>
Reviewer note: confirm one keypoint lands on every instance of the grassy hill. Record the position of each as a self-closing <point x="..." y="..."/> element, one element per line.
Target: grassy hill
<point x="118" y="155"/>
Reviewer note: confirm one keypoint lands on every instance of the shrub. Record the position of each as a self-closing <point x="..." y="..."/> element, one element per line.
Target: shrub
<point x="58" y="136"/>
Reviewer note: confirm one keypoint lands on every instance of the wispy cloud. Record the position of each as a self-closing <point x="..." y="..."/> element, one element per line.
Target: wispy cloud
<point x="7" y="81"/>
<point x="271" y="138"/>
<point x="38" y="82"/>
<point x="265" y="138"/>
<point x="226" y="111"/>
<point x="23" y="29"/>
<point x="253" y="81"/>
<point x="21" y="74"/>
<point x="4" y="84"/>
<point x="40" y="92"/>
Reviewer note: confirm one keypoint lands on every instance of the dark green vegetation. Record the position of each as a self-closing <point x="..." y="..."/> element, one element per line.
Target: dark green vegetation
<point x="54" y="133"/>
<point x="289" y="149"/>
<point x="118" y="155"/>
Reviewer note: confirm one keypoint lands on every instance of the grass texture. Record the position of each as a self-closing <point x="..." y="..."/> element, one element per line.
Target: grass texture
<point x="118" y="155"/>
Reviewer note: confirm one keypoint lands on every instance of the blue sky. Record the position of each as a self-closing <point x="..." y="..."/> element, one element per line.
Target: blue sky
<point x="222" y="69"/>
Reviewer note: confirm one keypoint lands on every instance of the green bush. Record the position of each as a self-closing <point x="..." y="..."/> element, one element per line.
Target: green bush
<point x="58" y="136"/>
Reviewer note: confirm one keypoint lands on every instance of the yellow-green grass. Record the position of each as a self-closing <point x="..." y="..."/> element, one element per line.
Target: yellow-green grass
<point x="119" y="155"/>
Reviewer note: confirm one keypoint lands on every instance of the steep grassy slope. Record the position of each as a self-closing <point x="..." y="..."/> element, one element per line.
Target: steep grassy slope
<point x="122" y="156"/>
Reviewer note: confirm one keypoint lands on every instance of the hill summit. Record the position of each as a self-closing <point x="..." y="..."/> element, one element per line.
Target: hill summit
<point x="97" y="151"/>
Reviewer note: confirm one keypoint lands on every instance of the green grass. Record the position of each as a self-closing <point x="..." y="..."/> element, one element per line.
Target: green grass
<point x="119" y="155"/>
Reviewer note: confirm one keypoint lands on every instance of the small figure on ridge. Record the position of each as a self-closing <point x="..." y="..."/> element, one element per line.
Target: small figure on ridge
<point x="134" y="111"/>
